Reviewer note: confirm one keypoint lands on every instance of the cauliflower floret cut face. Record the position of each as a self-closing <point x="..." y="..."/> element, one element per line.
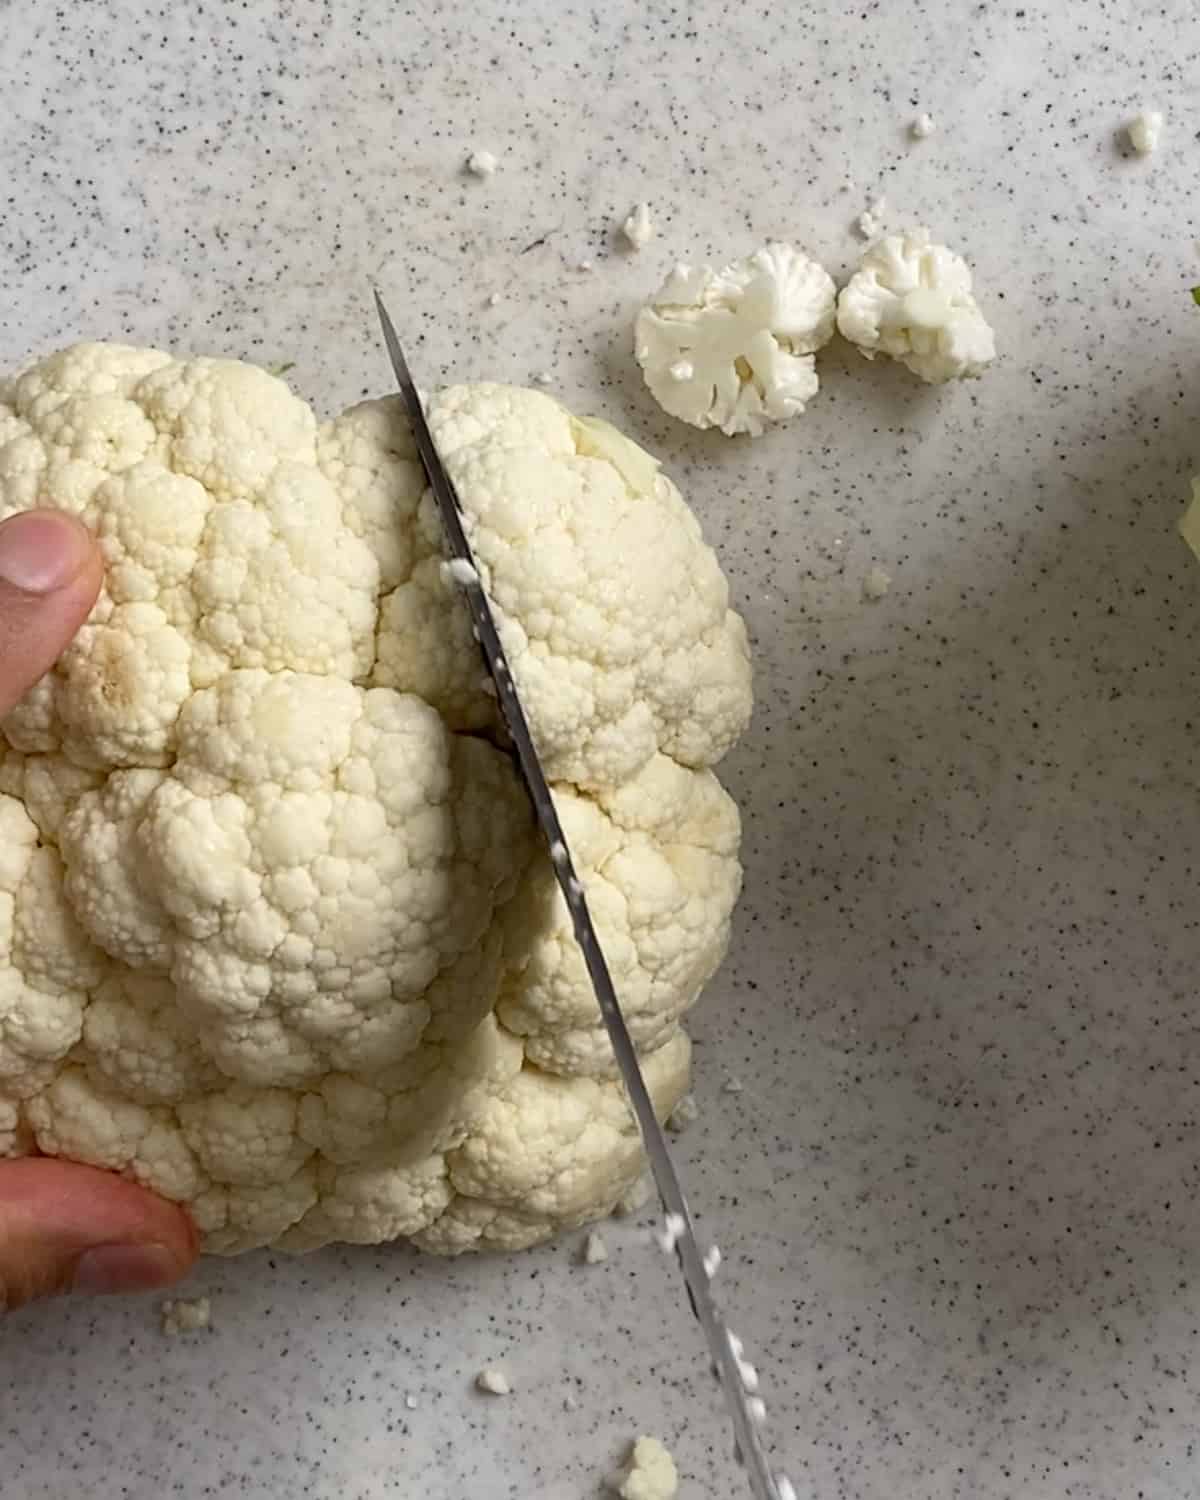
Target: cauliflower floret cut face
<point x="277" y="939"/>
<point x="733" y="348"/>
<point x="912" y="300"/>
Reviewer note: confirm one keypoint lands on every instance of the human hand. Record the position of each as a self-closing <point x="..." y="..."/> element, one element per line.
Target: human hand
<point x="65" y="1227"/>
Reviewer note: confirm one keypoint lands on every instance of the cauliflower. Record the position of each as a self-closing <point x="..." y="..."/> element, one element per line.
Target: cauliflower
<point x="734" y="348"/>
<point x="912" y="300"/>
<point x="276" y="937"/>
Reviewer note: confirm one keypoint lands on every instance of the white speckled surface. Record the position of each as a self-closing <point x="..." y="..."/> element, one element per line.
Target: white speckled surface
<point x="958" y="1195"/>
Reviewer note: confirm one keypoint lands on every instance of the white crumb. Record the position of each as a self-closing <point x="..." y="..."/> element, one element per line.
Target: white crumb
<point x="186" y="1315"/>
<point x="482" y="163"/>
<point x="458" y="570"/>
<point x="787" y="1490"/>
<point x="543" y="377"/>
<point x="757" y="1408"/>
<point x="495" y="300"/>
<point x="876" y="583"/>
<point x="570" y="1402"/>
<point x="594" y="1250"/>
<point x="493" y="1382"/>
<point x="712" y="1261"/>
<point x="411" y="1402"/>
<point x="635" y="1197"/>
<point x="922" y="127"/>
<point x="1145" y="132"/>
<point x="649" y="1473"/>
<point x="749" y="1375"/>
<point x="685" y="1113"/>
<point x="737" y="1348"/>
<point x="682" y="369"/>
<point x="870" y="222"/>
<point x="638" y="228"/>
<point x="586" y="264"/>
<point x="733" y="1085"/>
<point x="671" y="1233"/>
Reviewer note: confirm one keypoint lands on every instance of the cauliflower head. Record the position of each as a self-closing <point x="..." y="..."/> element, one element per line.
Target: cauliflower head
<point x="277" y="939"/>
<point x="734" y="348"/>
<point x="912" y="300"/>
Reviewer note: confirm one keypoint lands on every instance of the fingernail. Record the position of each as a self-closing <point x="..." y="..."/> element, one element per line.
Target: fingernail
<point x="42" y="550"/>
<point x="124" y="1268"/>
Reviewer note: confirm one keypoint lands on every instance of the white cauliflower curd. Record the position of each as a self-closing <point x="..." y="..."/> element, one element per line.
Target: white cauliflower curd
<point x="734" y="348"/>
<point x="912" y="300"/>
<point x="276" y="937"/>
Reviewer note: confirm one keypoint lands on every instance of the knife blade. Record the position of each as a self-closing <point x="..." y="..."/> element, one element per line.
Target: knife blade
<point x="724" y="1349"/>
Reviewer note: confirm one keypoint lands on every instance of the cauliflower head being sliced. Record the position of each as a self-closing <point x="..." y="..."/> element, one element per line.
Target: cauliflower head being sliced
<point x="734" y="348"/>
<point x="913" y="301"/>
<point x="277" y="938"/>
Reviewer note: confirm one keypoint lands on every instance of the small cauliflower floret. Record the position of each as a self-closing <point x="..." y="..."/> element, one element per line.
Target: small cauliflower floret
<point x="733" y="348"/>
<point x="912" y="300"/>
<point x="649" y="1473"/>
<point x="276" y="939"/>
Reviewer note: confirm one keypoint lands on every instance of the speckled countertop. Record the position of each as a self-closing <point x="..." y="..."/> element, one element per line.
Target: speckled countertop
<point x="959" y="1192"/>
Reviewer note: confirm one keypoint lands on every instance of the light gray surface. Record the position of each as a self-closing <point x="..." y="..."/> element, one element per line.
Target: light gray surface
<point x="958" y="1193"/>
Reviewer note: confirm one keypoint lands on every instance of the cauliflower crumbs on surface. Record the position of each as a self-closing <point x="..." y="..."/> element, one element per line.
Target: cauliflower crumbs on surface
<point x="186" y="1315"/>
<point x="870" y="222"/>
<point x="570" y="1402"/>
<point x="594" y="1250"/>
<point x="733" y="1085"/>
<point x="638" y="228"/>
<point x="1145" y="131"/>
<point x="586" y="264"/>
<point x="685" y="1113"/>
<point x="543" y="377"/>
<point x="493" y="1382"/>
<point x="458" y="570"/>
<point x="876" y="583"/>
<point x="482" y="163"/>
<point x="649" y="1473"/>
<point x="410" y="1402"/>
<point x="922" y="127"/>
<point x="757" y="1408"/>
<point x="787" y="1490"/>
<point x="712" y="1261"/>
<point x="495" y="300"/>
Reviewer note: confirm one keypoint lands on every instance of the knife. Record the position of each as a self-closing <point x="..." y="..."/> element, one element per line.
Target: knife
<point x="731" y="1369"/>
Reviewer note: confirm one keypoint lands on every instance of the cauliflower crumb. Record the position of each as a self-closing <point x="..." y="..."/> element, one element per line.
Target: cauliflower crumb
<point x="922" y="127"/>
<point x="876" y="583"/>
<point x="787" y="1490"/>
<point x="671" y="1233"/>
<point x="493" y="1382"/>
<point x="495" y="300"/>
<point x="1145" y="132"/>
<point x="638" y="228"/>
<point x="757" y="1408"/>
<point x="649" y="1473"/>
<point x="635" y="1198"/>
<point x="594" y="1250"/>
<point x="570" y="1402"/>
<point x="712" y="1261"/>
<point x="458" y="570"/>
<point x="184" y="1315"/>
<point x="685" y="1113"/>
<point x="543" y="377"/>
<point x="870" y="222"/>
<point x="482" y="163"/>
<point x="733" y="1085"/>
<point x="585" y="264"/>
<point x="410" y="1402"/>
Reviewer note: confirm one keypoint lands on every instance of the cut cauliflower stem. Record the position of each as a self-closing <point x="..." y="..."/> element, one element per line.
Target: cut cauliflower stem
<point x="912" y="300"/>
<point x="734" y="348"/>
<point x="276" y="937"/>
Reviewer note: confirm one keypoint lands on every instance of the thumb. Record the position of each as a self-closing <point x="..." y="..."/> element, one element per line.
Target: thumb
<point x="50" y="573"/>
<point x="69" y="1228"/>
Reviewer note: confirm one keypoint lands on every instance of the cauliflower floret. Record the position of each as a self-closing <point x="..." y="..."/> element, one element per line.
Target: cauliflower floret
<point x="649" y="1473"/>
<point x="912" y="300"/>
<point x="733" y="348"/>
<point x="276" y="938"/>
